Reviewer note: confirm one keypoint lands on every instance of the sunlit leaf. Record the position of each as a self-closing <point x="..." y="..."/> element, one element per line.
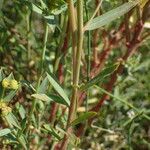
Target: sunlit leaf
<point x="42" y="97"/>
<point x="58" y="88"/>
<point x="103" y="74"/>
<point x="52" y="131"/>
<point x="10" y="96"/>
<point x="4" y="132"/>
<point x="49" y="98"/>
<point x="12" y="120"/>
<point x="43" y="86"/>
<point x="85" y="116"/>
<point x="110" y="16"/>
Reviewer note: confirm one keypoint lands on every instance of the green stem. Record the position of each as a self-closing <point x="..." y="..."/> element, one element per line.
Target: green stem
<point x="42" y="64"/>
<point x="88" y="54"/>
<point x="28" y="35"/>
<point x="73" y="105"/>
<point x="44" y="47"/>
<point x="123" y="101"/>
<point x="40" y="73"/>
<point x="87" y="60"/>
<point x="72" y="19"/>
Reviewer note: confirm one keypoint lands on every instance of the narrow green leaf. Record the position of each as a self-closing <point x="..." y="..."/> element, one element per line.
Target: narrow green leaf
<point x="58" y="99"/>
<point x="83" y="117"/>
<point x="73" y="139"/>
<point x="10" y="96"/>
<point x="43" y="4"/>
<point x="42" y="97"/>
<point x="58" y="88"/>
<point x="36" y="9"/>
<point x="111" y="15"/>
<point x="52" y="131"/>
<point x="12" y="120"/>
<point x="1" y="75"/>
<point x="4" y="132"/>
<point x="103" y="74"/>
<point x="28" y="85"/>
<point x="49" y="98"/>
<point x="60" y="10"/>
<point x="43" y="86"/>
<point x="23" y="142"/>
<point x="22" y="112"/>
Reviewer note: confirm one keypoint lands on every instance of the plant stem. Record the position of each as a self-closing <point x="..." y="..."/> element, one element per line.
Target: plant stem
<point x="42" y="63"/>
<point x="88" y="54"/>
<point x="73" y="105"/>
<point x="28" y="35"/>
<point x="40" y="73"/>
<point x="60" y="53"/>
<point x="44" y="47"/>
<point x="73" y="24"/>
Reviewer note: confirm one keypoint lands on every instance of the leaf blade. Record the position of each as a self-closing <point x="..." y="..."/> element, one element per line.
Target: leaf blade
<point x="110" y="15"/>
<point x="52" y="131"/>
<point x="83" y="117"/>
<point x="49" y="98"/>
<point x="4" y="132"/>
<point x="103" y="74"/>
<point x="12" y="120"/>
<point x="58" y="88"/>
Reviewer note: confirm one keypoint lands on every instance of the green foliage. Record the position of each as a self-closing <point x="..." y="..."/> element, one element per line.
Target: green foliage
<point x="4" y="132"/>
<point x="49" y="97"/>
<point x="100" y="77"/>
<point x="110" y="16"/>
<point x="58" y="88"/>
<point x="82" y="118"/>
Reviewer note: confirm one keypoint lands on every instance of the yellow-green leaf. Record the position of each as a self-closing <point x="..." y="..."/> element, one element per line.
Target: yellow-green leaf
<point x="83" y="117"/>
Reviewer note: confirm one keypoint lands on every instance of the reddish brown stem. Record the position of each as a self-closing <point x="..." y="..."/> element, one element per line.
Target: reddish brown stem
<point x="132" y="47"/>
<point x="103" y="56"/>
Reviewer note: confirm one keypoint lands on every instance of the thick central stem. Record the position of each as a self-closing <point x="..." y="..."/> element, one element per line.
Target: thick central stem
<point x="73" y="105"/>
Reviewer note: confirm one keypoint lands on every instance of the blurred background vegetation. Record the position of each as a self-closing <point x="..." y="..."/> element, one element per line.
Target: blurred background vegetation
<point x="22" y="29"/>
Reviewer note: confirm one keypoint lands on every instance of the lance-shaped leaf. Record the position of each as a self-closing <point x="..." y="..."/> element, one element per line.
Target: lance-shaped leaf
<point x="111" y="15"/>
<point x="4" y="132"/>
<point x="12" y="120"/>
<point x="83" y="117"/>
<point x="10" y="96"/>
<point x="103" y="74"/>
<point x="52" y="131"/>
<point x="49" y="98"/>
<point x="42" y="97"/>
<point x="1" y="75"/>
<point x="43" y="86"/>
<point x="58" y="88"/>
